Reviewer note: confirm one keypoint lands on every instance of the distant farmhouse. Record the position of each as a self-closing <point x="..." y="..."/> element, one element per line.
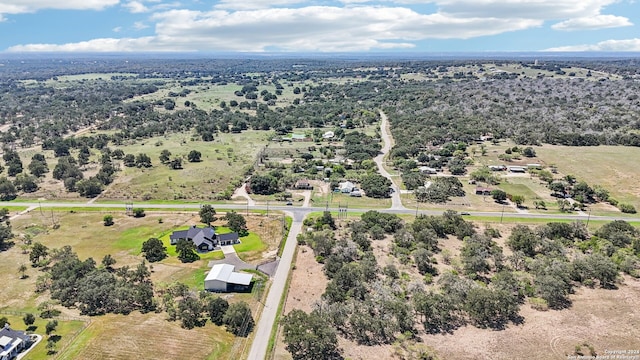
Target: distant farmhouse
<point x="205" y="239"/>
<point x="222" y="277"/>
<point x="12" y="342"/>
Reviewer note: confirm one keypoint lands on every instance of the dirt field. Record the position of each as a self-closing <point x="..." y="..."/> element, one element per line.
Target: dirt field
<point x="603" y="319"/>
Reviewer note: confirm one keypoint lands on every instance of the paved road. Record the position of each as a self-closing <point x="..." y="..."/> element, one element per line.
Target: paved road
<point x="268" y="317"/>
<point x="396" y="202"/>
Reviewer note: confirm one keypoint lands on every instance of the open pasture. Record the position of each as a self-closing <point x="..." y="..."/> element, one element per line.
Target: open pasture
<point x="613" y="167"/>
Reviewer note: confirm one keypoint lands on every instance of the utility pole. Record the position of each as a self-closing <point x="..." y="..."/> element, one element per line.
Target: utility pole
<point x="502" y="215"/>
<point x="588" y="217"/>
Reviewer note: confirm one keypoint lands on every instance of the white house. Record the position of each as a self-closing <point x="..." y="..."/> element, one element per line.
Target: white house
<point x="222" y="278"/>
<point x="346" y="187"/>
<point x="328" y="135"/>
<point x="428" y="170"/>
<point x="517" y="169"/>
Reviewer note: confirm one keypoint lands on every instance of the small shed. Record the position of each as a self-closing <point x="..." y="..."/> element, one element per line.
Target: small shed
<point x="223" y="278"/>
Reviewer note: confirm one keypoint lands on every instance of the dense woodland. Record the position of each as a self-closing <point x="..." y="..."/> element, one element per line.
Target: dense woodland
<point x="372" y="303"/>
<point x="562" y="110"/>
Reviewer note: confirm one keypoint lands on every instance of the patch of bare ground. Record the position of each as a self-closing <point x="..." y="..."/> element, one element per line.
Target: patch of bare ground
<point x="603" y="319"/>
<point x="305" y="288"/>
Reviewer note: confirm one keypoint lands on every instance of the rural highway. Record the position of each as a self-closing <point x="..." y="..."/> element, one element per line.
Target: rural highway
<point x="396" y="203"/>
<point x="267" y="319"/>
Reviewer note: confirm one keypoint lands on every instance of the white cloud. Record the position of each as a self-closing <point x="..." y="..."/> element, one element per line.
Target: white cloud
<point x="135" y="7"/>
<point x="592" y="23"/>
<point x="305" y="29"/>
<point x="139" y="25"/>
<point x="261" y="25"/>
<point x="608" y="45"/>
<point x="254" y="4"/>
<point x="96" y="45"/>
<point x="27" y="6"/>
<point x="117" y="29"/>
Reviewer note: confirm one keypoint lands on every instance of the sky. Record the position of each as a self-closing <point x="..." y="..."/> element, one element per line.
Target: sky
<point x="308" y="26"/>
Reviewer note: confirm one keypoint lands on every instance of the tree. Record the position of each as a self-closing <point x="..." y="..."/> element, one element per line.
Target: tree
<point x="51" y="326"/>
<point x="194" y="156"/>
<point x="190" y="312"/>
<point x="51" y="346"/>
<point x="22" y="269"/>
<point x="186" y="251"/>
<point x="491" y="308"/>
<point x="422" y="258"/>
<point x="529" y="152"/>
<point x="91" y="187"/>
<point x="264" y="184"/>
<point x="142" y="160"/>
<point x="5" y="231"/>
<point x="238" y="319"/>
<point x="129" y="160"/>
<point x="310" y="336"/>
<point x="138" y="212"/>
<point x="29" y="319"/>
<point x="165" y="155"/>
<point x="38" y="165"/>
<point x="176" y="163"/>
<point x="154" y="250"/>
<point x="216" y="307"/>
<point x="557" y="187"/>
<point x="518" y="200"/>
<point x="26" y="183"/>
<point x="523" y="239"/>
<point x="108" y="261"/>
<point x="7" y="189"/>
<point x="498" y="195"/>
<point x="38" y="251"/>
<point x="207" y="214"/>
<point x="376" y="186"/>
<point x="4" y="321"/>
<point x="108" y="220"/>
<point x="236" y="222"/>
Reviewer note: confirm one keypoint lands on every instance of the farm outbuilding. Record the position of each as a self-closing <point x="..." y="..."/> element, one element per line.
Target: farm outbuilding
<point x="223" y="278"/>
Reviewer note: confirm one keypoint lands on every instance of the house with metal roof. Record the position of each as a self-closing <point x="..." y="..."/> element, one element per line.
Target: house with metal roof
<point x="223" y="278"/>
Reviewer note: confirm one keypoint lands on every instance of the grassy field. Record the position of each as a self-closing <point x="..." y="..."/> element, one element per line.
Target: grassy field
<point x="613" y="167"/>
<point x="148" y="336"/>
<point x="136" y="333"/>
<point x="223" y="160"/>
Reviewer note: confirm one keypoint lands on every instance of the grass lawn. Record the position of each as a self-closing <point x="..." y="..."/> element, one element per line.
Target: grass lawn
<point x="65" y="333"/>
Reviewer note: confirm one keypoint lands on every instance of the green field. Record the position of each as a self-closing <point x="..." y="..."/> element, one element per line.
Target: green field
<point x="613" y="167"/>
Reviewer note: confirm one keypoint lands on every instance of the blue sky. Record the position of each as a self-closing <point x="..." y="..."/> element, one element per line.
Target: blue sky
<point x="318" y="25"/>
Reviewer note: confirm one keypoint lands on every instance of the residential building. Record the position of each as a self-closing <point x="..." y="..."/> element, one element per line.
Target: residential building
<point x="223" y="278"/>
<point x="12" y="342"/>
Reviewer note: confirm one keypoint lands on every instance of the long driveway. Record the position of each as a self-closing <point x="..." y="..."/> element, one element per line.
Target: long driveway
<point x="396" y="202"/>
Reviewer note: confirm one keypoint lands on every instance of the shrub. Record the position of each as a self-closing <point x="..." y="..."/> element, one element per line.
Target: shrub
<point x="627" y="208"/>
<point x="539" y="304"/>
<point x="138" y="212"/>
<point x="108" y="220"/>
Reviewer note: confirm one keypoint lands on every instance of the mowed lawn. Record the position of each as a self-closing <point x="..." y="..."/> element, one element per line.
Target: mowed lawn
<point x="65" y="333"/>
<point x="613" y="167"/>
